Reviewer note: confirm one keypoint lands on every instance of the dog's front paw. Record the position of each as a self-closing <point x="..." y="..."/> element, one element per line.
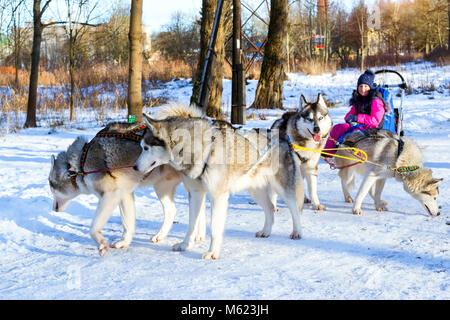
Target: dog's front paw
<point x="295" y="235"/>
<point x="381" y="208"/>
<point x="156" y="238"/>
<point x="180" y="247"/>
<point x="357" y="212"/>
<point x="319" y="207"/>
<point x="349" y="199"/>
<point x="210" y="256"/>
<point x="103" y="249"/>
<point x="262" y="234"/>
<point x="122" y="244"/>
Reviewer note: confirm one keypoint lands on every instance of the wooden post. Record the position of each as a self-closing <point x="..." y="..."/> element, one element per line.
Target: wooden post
<point x="238" y="108"/>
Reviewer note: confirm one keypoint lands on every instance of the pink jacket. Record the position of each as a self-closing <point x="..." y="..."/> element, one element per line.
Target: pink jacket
<point x="375" y="117"/>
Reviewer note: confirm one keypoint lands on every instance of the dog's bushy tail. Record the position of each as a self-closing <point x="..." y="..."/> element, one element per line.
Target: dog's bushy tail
<point x="178" y="110"/>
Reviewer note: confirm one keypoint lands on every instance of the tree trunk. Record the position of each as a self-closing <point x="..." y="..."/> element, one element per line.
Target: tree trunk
<point x="34" y="72"/>
<point x="135" y="64"/>
<point x="269" y="92"/>
<point x="71" y="74"/>
<point x="214" y="105"/>
<point x="16" y="57"/>
<point x="17" y="49"/>
<point x="362" y="32"/>
<point x="448" y="27"/>
<point x="362" y="51"/>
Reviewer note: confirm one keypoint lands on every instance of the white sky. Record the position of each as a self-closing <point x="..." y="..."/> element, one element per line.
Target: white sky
<point x="156" y="13"/>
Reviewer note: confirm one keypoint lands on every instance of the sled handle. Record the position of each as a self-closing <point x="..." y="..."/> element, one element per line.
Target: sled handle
<point x="402" y="85"/>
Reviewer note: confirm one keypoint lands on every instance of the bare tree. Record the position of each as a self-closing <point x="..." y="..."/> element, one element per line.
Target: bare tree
<point x="78" y="16"/>
<point x="111" y="39"/>
<point x="179" y="39"/>
<point x="17" y="36"/>
<point x="358" y="31"/>
<point x="361" y="19"/>
<point x="135" y="64"/>
<point x="430" y="24"/>
<point x="448" y="25"/>
<point x="269" y="92"/>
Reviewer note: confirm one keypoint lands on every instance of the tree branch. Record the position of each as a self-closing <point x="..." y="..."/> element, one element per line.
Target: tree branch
<point x="66" y="22"/>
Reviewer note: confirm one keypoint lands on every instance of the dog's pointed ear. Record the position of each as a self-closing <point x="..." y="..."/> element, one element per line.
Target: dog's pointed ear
<point x="435" y="182"/>
<point x="321" y="100"/>
<point x="146" y="118"/>
<point x="303" y="102"/>
<point x="53" y="161"/>
<point x="150" y="123"/>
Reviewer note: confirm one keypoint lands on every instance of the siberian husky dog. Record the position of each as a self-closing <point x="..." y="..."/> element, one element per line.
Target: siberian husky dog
<point x="107" y="164"/>
<point x="309" y="128"/>
<point x="219" y="161"/>
<point x="389" y="156"/>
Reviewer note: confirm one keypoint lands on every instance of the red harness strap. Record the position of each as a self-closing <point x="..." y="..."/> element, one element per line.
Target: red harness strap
<point x="333" y="165"/>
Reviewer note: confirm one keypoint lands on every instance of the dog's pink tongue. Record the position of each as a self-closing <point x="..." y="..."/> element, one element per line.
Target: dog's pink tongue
<point x="316" y="137"/>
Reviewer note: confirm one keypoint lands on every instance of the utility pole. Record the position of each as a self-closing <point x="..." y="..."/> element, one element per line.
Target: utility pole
<point x="238" y="108"/>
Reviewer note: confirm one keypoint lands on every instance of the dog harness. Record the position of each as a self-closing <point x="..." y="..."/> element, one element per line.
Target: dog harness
<point x="302" y="159"/>
<point x="134" y="134"/>
<point x="401" y="143"/>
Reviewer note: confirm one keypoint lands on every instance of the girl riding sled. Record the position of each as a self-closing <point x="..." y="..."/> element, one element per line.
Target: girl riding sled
<point x="367" y="111"/>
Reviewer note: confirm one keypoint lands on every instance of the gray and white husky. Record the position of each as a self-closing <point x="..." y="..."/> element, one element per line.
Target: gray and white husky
<point x="390" y="157"/>
<point x="112" y="187"/>
<point x="218" y="161"/>
<point x="309" y="128"/>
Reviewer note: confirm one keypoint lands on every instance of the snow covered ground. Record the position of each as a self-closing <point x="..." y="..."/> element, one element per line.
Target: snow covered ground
<point x="399" y="254"/>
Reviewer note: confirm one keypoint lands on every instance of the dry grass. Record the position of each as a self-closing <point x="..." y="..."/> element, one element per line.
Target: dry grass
<point x="7" y="76"/>
<point x="12" y="108"/>
<point x="53" y="107"/>
<point x="315" y="67"/>
<point x="99" y="89"/>
<point x="251" y="73"/>
<point x="165" y="70"/>
<point x="156" y="70"/>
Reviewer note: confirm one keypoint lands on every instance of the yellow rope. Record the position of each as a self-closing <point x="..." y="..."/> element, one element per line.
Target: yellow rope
<point x="355" y="152"/>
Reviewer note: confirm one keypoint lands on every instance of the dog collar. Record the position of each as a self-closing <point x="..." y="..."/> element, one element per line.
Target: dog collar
<point x="405" y="169"/>
<point x="73" y="176"/>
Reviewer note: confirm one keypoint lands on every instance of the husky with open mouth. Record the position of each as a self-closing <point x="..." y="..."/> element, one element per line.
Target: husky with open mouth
<point x="309" y="128"/>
